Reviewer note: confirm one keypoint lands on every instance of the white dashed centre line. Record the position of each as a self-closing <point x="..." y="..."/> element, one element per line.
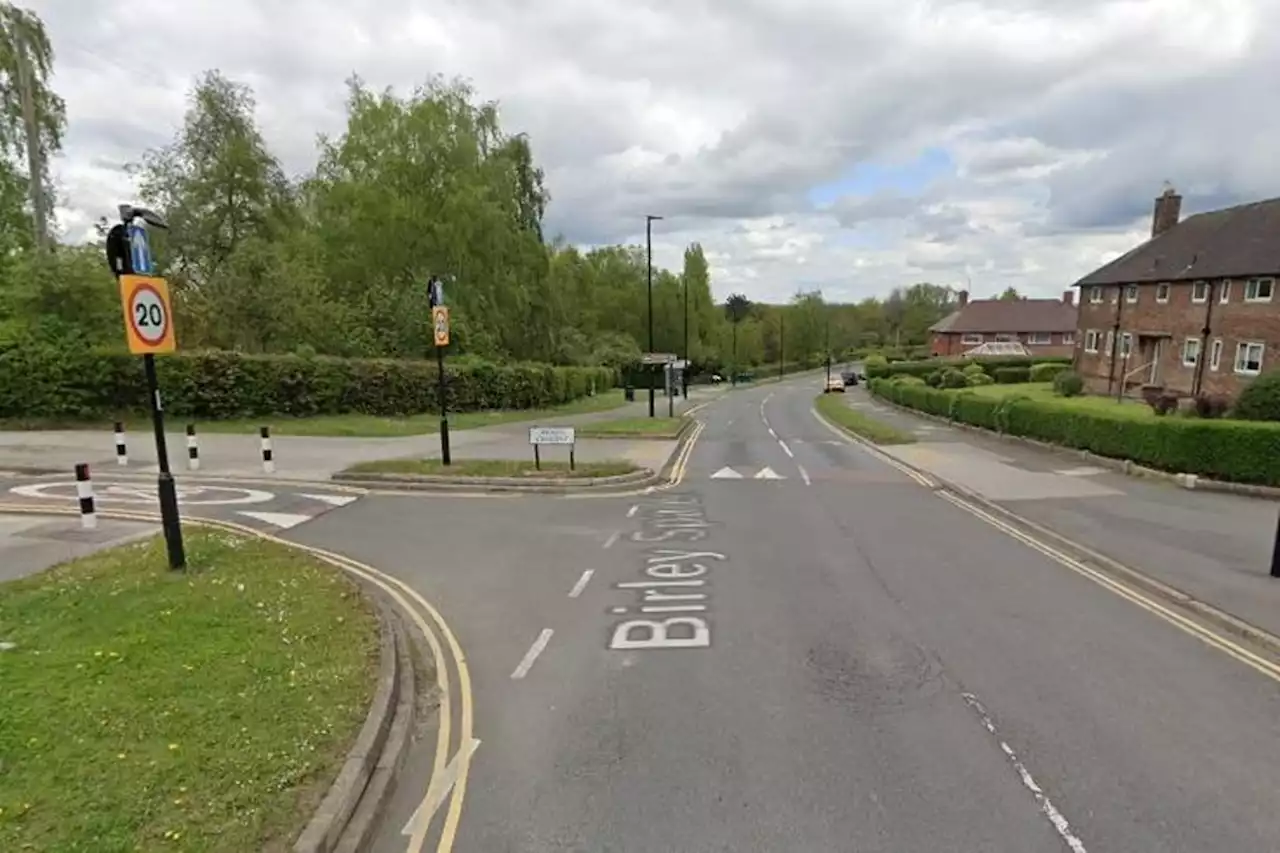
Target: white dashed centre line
<point x="631" y="513"/>
<point x="581" y="584"/>
<point x="526" y="663"/>
<point x="612" y="540"/>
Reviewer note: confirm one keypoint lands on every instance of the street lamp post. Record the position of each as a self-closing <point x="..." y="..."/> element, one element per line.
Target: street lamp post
<point x="826" y="316"/>
<point x="684" y="373"/>
<point x="648" y="241"/>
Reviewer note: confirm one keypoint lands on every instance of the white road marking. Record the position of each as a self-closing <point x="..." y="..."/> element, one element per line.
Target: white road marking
<point x="1046" y="805"/>
<point x="1085" y="471"/>
<point x="728" y="423"/>
<point x="772" y="433"/>
<point x="581" y="584"/>
<point x="767" y="473"/>
<point x="439" y="789"/>
<point x="726" y="473"/>
<point x="333" y="500"/>
<point x="526" y="663"/>
<point x="785" y="449"/>
<point x="283" y="520"/>
<point x="631" y="513"/>
<point x="144" y="494"/>
<point x="613" y="538"/>
<point x="804" y="475"/>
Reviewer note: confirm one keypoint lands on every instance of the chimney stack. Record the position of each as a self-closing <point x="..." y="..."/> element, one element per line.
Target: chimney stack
<point x="1068" y="297"/>
<point x="1168" y="210"/>
<point x="964" y="298"/>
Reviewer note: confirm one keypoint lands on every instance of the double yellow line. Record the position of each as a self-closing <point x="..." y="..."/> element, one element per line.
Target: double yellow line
<point x="426" y="618"/>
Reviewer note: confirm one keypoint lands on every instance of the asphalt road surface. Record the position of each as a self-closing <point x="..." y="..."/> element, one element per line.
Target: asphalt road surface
<point x="801" y="648"/>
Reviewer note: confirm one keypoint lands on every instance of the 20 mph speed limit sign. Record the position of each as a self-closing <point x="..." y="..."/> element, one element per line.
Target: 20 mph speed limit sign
<point x="440" y="325"/>
<point x="148" y="317"/>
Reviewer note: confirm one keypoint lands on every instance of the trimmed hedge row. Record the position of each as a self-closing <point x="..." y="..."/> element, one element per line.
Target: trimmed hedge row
<point x="988" y="363"/>
<point x="1237" y="451"/>
<point x="43" y="383"/>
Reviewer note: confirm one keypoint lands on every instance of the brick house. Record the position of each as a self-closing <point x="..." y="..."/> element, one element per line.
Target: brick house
<point x="1191" y="311"/>
<point x="1044" y="326"/>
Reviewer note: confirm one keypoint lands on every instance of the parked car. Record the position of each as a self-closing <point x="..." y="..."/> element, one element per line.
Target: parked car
<point x="835" y="383"/>
<point x="849" y="378"/>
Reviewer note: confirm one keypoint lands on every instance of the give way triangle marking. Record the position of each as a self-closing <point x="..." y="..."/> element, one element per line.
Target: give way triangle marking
<point x="767" y="473"/>
<point x="726" y="473"/>
<point x="279" y="519"/>
<point x="339" y="500"/>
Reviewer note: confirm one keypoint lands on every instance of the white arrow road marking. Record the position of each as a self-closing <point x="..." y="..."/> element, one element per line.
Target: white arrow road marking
<point x="726" y="473"/>
<point x="439" y="789"/>
<point x="768" y="474"/>
<point x="334" y="500"/>
<point x="279" y="519"/>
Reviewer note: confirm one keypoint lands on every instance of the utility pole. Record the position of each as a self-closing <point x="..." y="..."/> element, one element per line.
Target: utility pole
<point x="684" y="374"/>
<point x="35" y="160"/>
<point x="440" y="337"/>
<point x="826" y="316"/>
<point x="782" y="345"/>
<point x="648" y="241"/>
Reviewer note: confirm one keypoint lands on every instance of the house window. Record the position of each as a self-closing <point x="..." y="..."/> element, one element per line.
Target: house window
<point x="1224" y="295"/>
<point x="1039" y="338"/>
<point x="1111" y="343"/>
<point x="1095" y="295"/>
<point x="1215" y="354"/>
<point x="1200" y="291"/>
<point x="1091" y="340"/>
<point x="1190" y="352"/>
<point x="1162" y="292"/>
<point x="971" y="338"/>
<point x="1126" y="344"/>
<point x="1069" y="339"/>
<point x="1131" y="293"/>
<point x="1259" y="289"/>
<point x="1006" y="337"/>
<point x="1249" y="358"/>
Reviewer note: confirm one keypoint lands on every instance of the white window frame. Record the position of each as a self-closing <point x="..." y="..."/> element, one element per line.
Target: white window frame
<point x="1190" y="346"/>
<point x="1126" y="344"/>
<point x="1007" y="337"/>
<point x="1224" y="295"/>
<point x="1095" y="295"/>
<point x="1039" y="338"/>
<point x="1111" y="342"/>
<point x="971" y="338"/>
<point x="1091" y="340"/>
<point x="1131" y="293"/>
<point x="1254" y="284"/>
<point x="1068" y="339"/>
<point x="1162" y="292"/>
<point x="1203" y="297"/>
<point x="1215" y="354"/>
<point x="1242" y="349"/>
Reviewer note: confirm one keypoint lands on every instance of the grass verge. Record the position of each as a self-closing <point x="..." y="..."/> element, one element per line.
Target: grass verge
<point x="633" y="428"/>
<point x="1042" y="392"/>
<point x="834" y="409"/>
<point x="207" y="710"/>
<point x="516" y="468"/>
<point x="348" y="425"/>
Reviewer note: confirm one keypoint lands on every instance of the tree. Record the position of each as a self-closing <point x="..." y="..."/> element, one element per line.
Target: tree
<point x="1010" y="294"/>
<point x="32" y="116"/>
<point x="736" y="309"/>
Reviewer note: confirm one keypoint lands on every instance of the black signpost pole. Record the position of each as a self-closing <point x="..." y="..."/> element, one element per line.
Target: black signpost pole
<point x="435" y="298"/>
<point x="444" y="416"/>
<point x="165" y="487"/>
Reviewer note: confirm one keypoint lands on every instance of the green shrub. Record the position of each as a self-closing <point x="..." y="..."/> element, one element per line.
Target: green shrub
<point x="979" y="378"/>
<point x="876" y="366"/>
<point x="1047" y="372"/>
<point x="933" y="380"/>
<point x="1260" y="399"/>
<point x="212" y="384"/>
<point x="1068" y="384"/>
<point x="954" y="379"/>
<point x="905" y="379"/>
<point x="973" y="369"/>
<point x="1012" y="375"/>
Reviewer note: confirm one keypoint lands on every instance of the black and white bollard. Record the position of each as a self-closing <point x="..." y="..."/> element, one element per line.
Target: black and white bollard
<point x="268" y="464"/>
<point x="84" y="491"/>
<point x="193" y="449"/>
<point x="122" y="452"/>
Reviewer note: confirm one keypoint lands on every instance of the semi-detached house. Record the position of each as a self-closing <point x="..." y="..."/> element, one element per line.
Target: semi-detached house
<point x="1043" y="326"/>
<point x="1191" y="311"/>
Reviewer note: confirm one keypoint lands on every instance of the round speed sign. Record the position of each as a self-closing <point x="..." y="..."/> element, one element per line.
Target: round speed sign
<point x="148" y="315"/>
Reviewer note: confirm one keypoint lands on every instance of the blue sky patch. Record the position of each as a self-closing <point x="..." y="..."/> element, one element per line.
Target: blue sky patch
<point x="906" y="178"/>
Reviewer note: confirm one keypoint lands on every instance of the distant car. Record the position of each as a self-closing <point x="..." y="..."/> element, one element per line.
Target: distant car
<point x="835" y="383"/>
<point x="849" y="378"/>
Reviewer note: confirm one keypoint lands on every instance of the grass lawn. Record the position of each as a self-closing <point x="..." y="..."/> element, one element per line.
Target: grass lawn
<point x="351" y="425"/>
<point x="833" y="408"/>
<point x="660" y="427"/>
<point x="1043" y="392"/>
<point x="493" y="468"/>
<point x="206" y="710"/>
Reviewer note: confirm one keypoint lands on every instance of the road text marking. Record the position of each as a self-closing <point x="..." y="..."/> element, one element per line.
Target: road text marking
<point x="581" y="584"/>
<point x="526" y="663"/>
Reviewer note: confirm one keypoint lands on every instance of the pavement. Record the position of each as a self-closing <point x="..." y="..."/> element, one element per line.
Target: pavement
<point x="800" y="647"/>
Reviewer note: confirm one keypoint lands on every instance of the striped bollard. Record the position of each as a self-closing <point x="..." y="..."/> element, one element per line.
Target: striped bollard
<point x="193" y="449"/>
<point x="84" y="491"/>
<point x="268" y="464"/>
<point x="122" y="452"/>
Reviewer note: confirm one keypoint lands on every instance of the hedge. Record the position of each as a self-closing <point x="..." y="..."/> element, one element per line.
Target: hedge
<point x="988" y="363"/>
<point x="1236" y="451"/>
<point x="39" y="382"/>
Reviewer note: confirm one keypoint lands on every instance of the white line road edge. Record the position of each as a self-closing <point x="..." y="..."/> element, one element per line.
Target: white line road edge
<point x="439" y="789"/>
<point x="785" y="449"/>
<point x="526" y="663"/>
<point x="1055" y="817"/>
<point x="581" y="584"/>
<point x="804" y="475"/>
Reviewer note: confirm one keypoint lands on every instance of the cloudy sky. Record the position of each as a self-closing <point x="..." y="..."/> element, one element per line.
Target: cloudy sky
<point x="848" y="145"/>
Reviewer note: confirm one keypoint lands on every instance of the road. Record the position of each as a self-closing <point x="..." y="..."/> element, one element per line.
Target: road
<point x="830" y="657"/>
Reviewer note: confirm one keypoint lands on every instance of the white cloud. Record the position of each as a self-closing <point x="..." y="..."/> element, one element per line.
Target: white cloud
<point x="1061" y="119"/>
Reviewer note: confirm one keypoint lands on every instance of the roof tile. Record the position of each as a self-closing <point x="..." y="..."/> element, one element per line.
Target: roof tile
<point x="1010" y="315"/>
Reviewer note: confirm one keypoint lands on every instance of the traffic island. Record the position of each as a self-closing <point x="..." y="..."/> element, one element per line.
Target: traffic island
<point x="667" y="429"/>
<point x="210" y="709"/>
<point x="496" y="474"/>
<point x="838" y="412"/>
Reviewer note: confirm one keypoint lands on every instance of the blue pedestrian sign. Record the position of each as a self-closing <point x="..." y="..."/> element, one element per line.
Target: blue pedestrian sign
<point x="140" y="250"/>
